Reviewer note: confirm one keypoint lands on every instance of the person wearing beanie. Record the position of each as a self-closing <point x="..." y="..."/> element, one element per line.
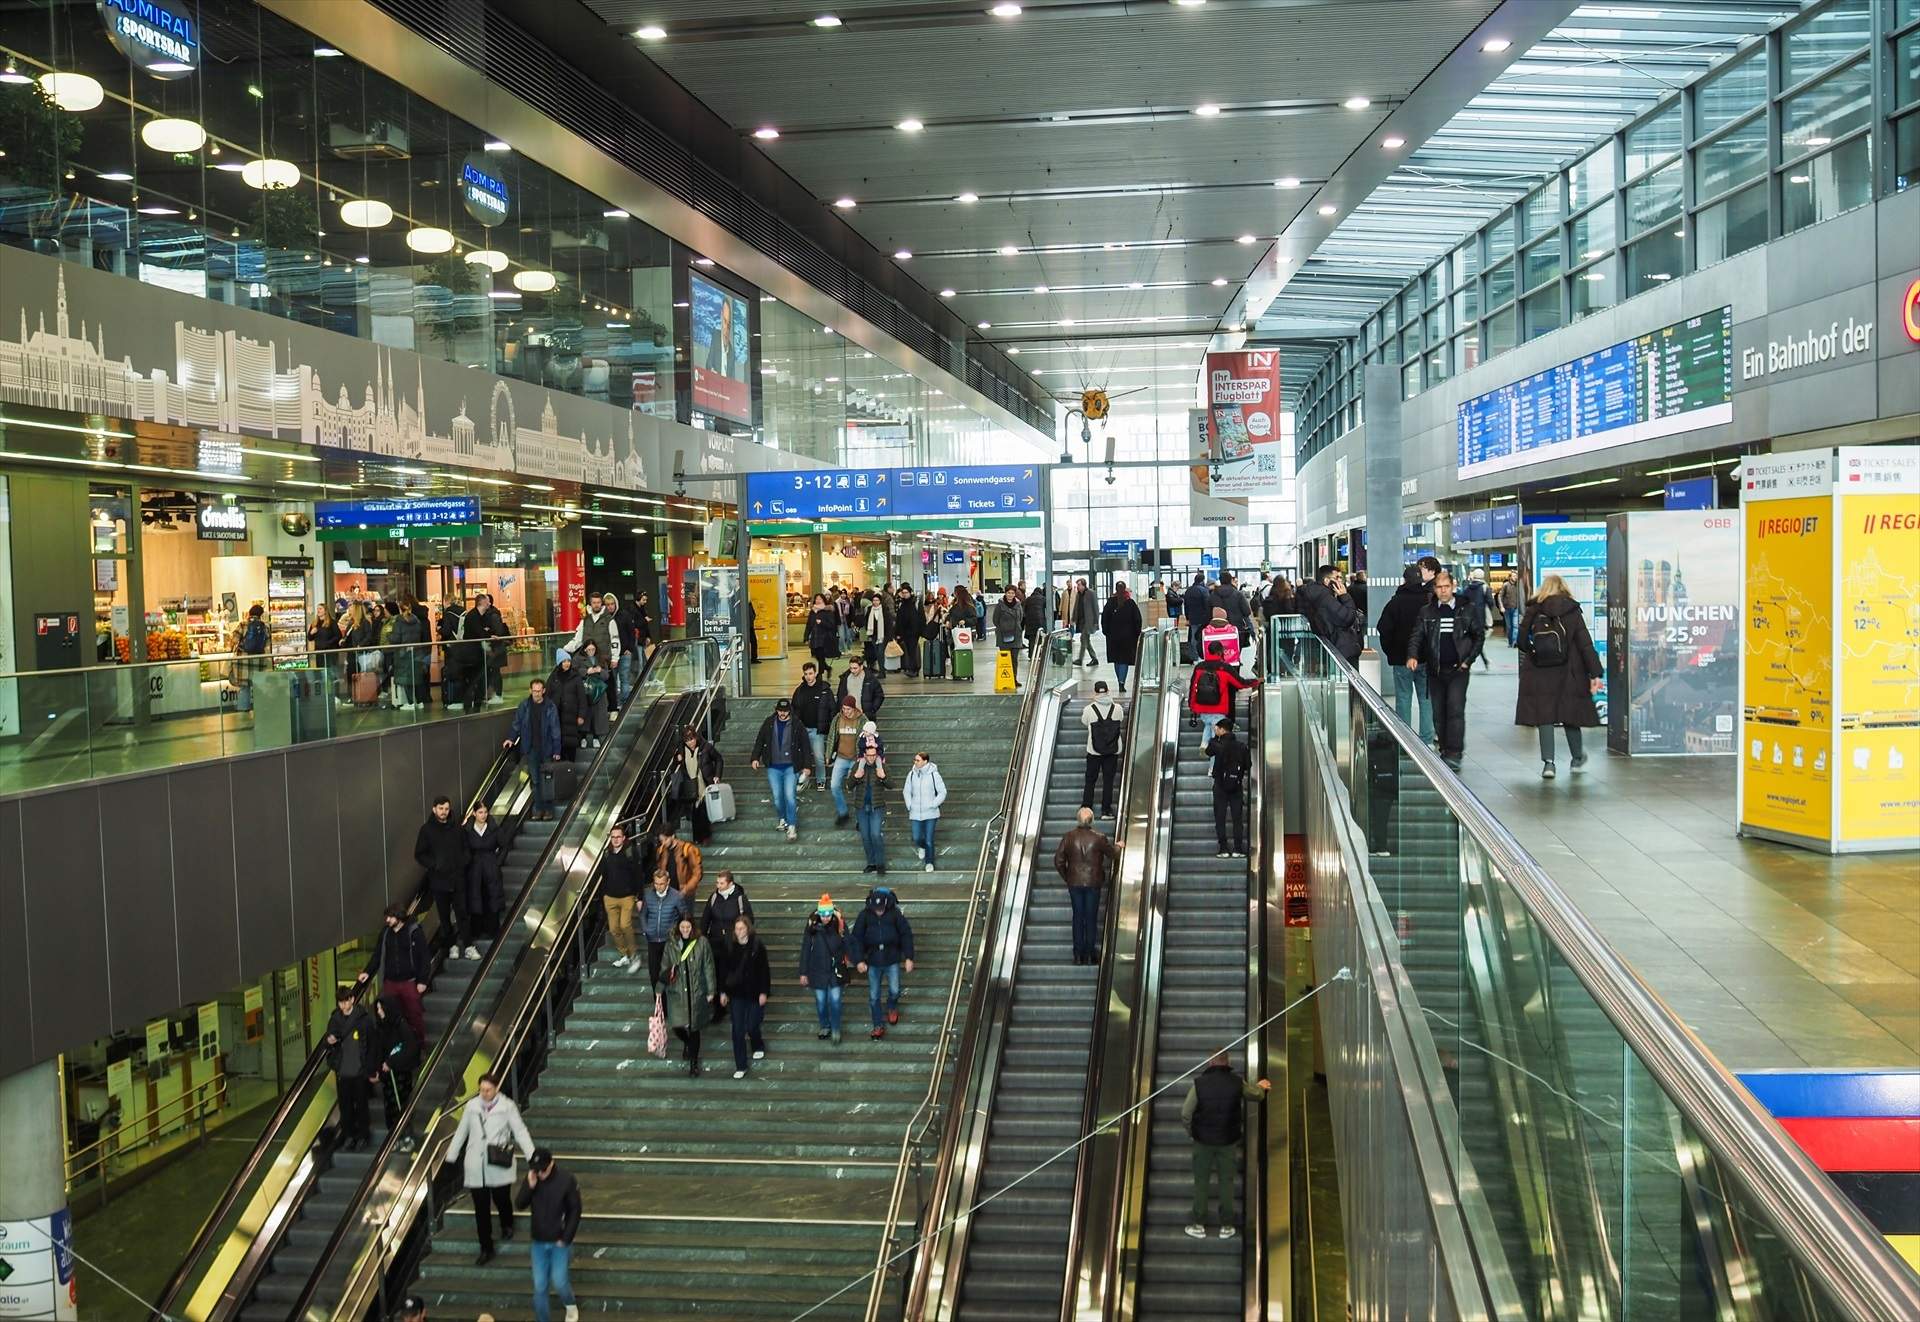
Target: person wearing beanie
<point x="823" y="965"/>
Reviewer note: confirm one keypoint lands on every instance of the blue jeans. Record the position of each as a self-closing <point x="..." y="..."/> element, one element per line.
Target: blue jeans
<point x="820" y="764"/>
<point x="552" y="1263"/>
<point x="876" y="975"/>
<point x="826" y="1006"/>
<point x="623" y="679"/>
<point x="1120" y="669"/>
<point x="1208" y="724"/>
<point x="1513" y="626"/>
<point x="842" y="767"/>
<point x="781" y="781"/>
<point x="1086" y="920"/>
<point x="1407" y="684"/>
<point x="921" y="829"/>
<point x="873" y="823"/>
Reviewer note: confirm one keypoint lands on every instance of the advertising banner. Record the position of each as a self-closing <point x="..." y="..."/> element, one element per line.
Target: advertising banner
<point x="1877" y="491"/>
<point x="767" y="601"/>
<point x="39" y="1281"/>
<point x="1578" y="553"/>
<point x="1243" y="399"/>
<point x="1204" y="509"/>
<point x="722" y="356"/>
<point x="1672" y="632"/>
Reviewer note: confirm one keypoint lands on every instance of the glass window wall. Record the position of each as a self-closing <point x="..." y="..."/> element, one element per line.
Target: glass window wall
<point x="1734" y="158"/>
<point x="1592" y="176"/>
<point x="1735" y="90"/>
<point x="1822" y="187"/>
<point x="1653" y="140"/>
<point x="1653" y="201"/>
<point x="1828" y="111"/>
<point x="1731" y="226"/>
<point x="1833" y="32"/>
<point x="1596" y="287"/>
<point x="1593" y="233"/>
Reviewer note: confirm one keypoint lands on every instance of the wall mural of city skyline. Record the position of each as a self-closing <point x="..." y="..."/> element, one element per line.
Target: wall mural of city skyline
<point x="91" y="341"/>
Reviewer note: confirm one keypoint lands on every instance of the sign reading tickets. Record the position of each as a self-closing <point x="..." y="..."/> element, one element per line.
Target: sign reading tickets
<point x="1243" y="403"/>
<point x="1829" y="743"/>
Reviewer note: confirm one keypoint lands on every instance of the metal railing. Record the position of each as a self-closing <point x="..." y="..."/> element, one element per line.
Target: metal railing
<point x="389" y="1238"/>
<point x="928" y="1116"/>
<point x="91" y="1161"/>
<point x="1799" y="1241"/>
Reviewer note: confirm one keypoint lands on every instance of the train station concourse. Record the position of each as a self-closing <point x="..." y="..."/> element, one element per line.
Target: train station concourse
<point x="953" y="661"/>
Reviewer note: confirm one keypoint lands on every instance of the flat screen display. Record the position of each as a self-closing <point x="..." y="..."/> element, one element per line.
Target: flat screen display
<point x="1674" y="379"/>
<point x="722" y="357"/>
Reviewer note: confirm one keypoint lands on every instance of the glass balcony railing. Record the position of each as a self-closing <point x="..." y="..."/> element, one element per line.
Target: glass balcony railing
<point x="94" y="721"/>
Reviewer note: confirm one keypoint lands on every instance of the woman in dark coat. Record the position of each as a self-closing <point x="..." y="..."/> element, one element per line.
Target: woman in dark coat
<point x="906" y="630"/>
<point x="1120" y="622"/>
<point x="567" y="690"/>
<point x="1559" y="694"/>
<point x="823" y="631"/>
<point x="746" y="979"/>
<point x="486" y="888"/>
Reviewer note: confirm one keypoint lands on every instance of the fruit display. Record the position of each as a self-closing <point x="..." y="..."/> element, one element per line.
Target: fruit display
<point x="167" y="645"/>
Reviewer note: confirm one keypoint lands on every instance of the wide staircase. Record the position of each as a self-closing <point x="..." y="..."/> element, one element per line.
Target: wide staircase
<point x="1203" y="1004"/>
<point x="756" y="1198"/>
<point x="1017" y="1245"/>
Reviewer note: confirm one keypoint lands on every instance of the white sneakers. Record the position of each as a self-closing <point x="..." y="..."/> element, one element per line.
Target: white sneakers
<point x="739" y="1074"/>
<point x="1196" y="1231"/>
<point x="473" y="952"/>
<point x="621" y="962"/>
<point x="919" y="853"/>
<point x="1227" y="1232"/>
<point x="929" y="867"/>
<point x="759" y="1055"/>
<point x="637" y="965"/>
<point x="573" y="1313"/>
<point x="793" y="833"/>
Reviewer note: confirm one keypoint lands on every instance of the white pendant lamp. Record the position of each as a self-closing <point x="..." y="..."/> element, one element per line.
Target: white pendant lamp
<point x="490" y="258"/>
<point x="268" y="173"/>
<point x="430" y="239"/>
<point x="365" y="213"/>
<point x="72" y="91"/>
<point x="534" y="282"/>
<point x="174" y="136"/>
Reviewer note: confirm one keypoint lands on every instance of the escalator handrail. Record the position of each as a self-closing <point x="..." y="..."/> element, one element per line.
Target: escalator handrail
<point x="941" y="1255"/>
<point x="1266" y="858"/>
<point x="927" y="1114"/>
<point x="363" y="1285"/>
<point x="1122" y="1046"/>
<point x="272" y="1138"/>
<point x="1817" y="1225"/>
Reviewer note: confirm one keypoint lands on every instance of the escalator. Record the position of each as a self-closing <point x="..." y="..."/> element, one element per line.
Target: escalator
<point x="256" y="1255"/>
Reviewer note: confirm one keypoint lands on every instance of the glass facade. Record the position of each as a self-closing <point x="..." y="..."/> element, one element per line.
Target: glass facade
<point x="1741" y="155"/>
<point x="268" y="171"/>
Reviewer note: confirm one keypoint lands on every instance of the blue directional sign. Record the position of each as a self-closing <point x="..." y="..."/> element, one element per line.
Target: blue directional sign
<point x="399" y="512"/>
<point x="858" y="493"/>
<point x="1129" y="546"/>
<point x="1693" y="493"/>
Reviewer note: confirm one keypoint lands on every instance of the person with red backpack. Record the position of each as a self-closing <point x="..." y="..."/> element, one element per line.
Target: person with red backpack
<point x="1210" y="691"/>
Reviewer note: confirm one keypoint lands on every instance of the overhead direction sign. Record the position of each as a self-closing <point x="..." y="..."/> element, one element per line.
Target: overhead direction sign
<point x="867" y="493"/>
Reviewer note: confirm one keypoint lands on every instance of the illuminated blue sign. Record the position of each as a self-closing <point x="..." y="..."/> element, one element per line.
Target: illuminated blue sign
<point x="990" y="489"/>
<point x="482" y="192"/>
<point x="1693" y="493"/>
<point x="400" y="512"/>
<point x="155" y="37"/>
<point x="864" y="493"/>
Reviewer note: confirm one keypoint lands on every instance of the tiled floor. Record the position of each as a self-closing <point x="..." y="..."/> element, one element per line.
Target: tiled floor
<point x="1776" y="957"/>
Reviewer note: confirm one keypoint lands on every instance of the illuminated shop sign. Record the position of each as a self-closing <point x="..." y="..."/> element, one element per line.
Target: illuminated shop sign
<point x="159" y="39"/>
<point x="1910" y="311"/>
<point x="482" y="191"/>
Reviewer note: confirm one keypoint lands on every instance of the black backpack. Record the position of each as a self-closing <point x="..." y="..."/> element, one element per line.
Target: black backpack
<point x="1548" y="641"/>
<point x="1107" y="730"/>
<point x="1206" y="687"/>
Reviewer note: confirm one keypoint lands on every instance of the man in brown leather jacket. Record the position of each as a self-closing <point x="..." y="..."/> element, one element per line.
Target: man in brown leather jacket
<point x="1084" y="861"/>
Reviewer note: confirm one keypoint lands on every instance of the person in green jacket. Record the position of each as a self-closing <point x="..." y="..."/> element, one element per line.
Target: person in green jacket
<point x="687" y="988"/>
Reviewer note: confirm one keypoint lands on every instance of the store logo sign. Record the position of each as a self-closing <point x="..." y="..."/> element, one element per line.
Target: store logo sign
<point x="221" y="519"/>
<point x="1910" y="311"/>
<point x="483" y="192"/>
<point x="1808" y="350"/>
<point x="155" y="37"/>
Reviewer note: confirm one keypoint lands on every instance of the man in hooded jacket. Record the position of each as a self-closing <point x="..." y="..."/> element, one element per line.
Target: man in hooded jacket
<point x="880" y="944"/>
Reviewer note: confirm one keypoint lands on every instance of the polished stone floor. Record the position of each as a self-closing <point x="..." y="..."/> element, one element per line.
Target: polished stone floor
<point x="1775" y="956"/>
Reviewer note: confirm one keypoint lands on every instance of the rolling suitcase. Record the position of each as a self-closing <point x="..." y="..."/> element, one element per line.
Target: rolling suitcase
<point x="963" y="663"/>
<point x="563" y="781"/>
<point x="366" y="688"/>
<point x="719" y="802"/>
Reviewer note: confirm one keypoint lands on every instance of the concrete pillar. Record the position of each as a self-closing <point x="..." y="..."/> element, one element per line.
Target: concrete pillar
<point x="36" y="1233"/>
<point x="1386" y="548"/>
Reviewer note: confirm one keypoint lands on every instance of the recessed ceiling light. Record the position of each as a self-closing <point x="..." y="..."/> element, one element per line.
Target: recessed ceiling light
<point x="1206" y="110"/>
<point x="845" y="203"/>
<point x="1040" y="289"/>
<point x="946" y="293"/>
<point x="1005" y="11"/>
<point x="325" y="53"/>
<point x="158" y="211"/>
<point x="1008" y="250"/>
<point x="909" y="125"/>
<point x="825" y="21"/>
<point x="1219" y="281"/>
<point x="1013" y="353"/>
<point x="1244" y="238"/>
<point x="496" y="145"/>
<point x="651" y="32"/>
<point x="1356" y="103"/>
<point x="1799" y="179"/>
<point x="116" y="177"/>
<point x="1136" y="284"/>
<point x="984" y="325"/>
<point x="1818" y="142"/>
<point x="1494" y="45"/>
<point x="902" y="255"/>
<point x="703" y="261"/>
<point x="968" y="198"/>
<point x="1066" y="321"/>
<point x="1393" y="143"/>
<point x="1328" y="210"/>
<point x="1290" y="181"/>
<point x="766" y="133"/>
<point x="616" y="213"/>
<point x="1189" y="4"/>
<point x="1659" y="275"/>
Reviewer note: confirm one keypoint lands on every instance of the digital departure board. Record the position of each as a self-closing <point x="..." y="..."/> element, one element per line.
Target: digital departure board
<point x="1675" y="379"/>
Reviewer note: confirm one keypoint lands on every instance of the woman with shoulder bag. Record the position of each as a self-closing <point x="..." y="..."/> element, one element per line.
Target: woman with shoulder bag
<point x="687" y="988"/>
<point x="490" y="1129"/>
<point x="1560" y="672"/>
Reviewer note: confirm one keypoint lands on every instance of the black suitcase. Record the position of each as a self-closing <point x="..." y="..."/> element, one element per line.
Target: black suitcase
<point x="1186" y="652"/>
<point x="562" y="781"/>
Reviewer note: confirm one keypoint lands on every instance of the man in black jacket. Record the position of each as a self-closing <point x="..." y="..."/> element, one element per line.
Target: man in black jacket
<point x="1212" y="1115"/>
<point x="490" y="690"/>
<point x="397" y="1049"/>
<point x="814" y="704"/>
<point x="1232" y="761"/>
<point x="1447" y="642"/>
<point x="405" y="965"/>
<point x="553" y="1197"/>
<point x="350" y="1051"/>
<point x="1033" y="615"/>
<point x="1330" y="613"/>
<point x="865" y="687"/>
<point x="441" y="850"/>
<point x="1399" y="619"/>
<point x="1197" y="606"/>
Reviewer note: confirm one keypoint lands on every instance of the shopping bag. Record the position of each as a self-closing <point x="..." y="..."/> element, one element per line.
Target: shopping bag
<point x="657" y="1029"/>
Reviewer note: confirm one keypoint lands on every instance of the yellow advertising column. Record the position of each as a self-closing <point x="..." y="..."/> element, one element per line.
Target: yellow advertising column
<point x="1829" y="748"/>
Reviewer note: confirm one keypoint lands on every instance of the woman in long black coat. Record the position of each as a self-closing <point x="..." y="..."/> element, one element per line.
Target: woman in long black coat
<point x="906" y="630"/>
<point x="486" y="888"/>
<point x="1559" y="694"/>
<point x="823" y="631"/>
